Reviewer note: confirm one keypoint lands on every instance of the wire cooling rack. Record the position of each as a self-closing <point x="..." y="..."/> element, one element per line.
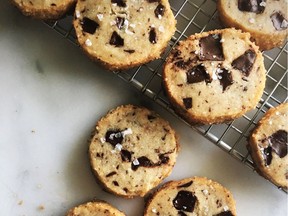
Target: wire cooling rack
<point x="194" y="16"/>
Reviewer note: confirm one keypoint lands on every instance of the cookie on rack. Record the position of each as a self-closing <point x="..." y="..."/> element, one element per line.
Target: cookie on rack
<point x="266" y="20"/>
<point x="122" y="34"/>
<point x="42" y="9"/>
<point x="95" y="208"/>
<point x="191" y="196"/>
<point x="132" y="151"/>
<point x="268" y="145"/>
<point x="215" y="76"/>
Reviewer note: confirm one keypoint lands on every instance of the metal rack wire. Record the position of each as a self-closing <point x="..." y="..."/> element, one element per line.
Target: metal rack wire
<point x="193" y="17"/>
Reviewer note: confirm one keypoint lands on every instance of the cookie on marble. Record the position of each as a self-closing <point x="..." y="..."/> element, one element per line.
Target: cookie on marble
<point x="266" y="20"/>
<point x="191" y="196"/>
<point x="132" y="151"/>
<point x="268" y="145"/>
<point x="122" y="34"/>
<point x="42" y="9"/>
<point x="96" y="208"/>
<point x="215" y="76"/>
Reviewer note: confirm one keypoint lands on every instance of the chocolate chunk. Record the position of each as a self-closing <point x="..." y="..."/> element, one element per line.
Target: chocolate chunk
<point x="111" y="174"/>
<point x="225" y="213"/>
<point x="120" y="22"/>
<point x="267" y="155"/>
<point x="163" y="159"/>
<point x="185" y="201"/>
<point x="184" y="64"/>
<point x="211" y="48"/>
<point x="187" y="103"/>
<point x="245" y="62"/>
<point x="151" y="117"/>
<point x="89" y="25"/>
<point x="226" y="78"/>
<point x="114" y="137"/>
<point x="152" y="1"/>
<point x="129" y="51"/>
<point x="159" y="11"/>
<point x="255" y="6"/>
<point x="279" y="21"/>
<point x="152" y="36"/>
<point x="120" y="3"/>
<point x="198" y="74"/>
<point x="143" y="161"/>
<point x="278" y="142"/>
<point x="186" y="184"/>
<point x="116" y="40"/>
<point x="115" y="183"/>
<point x="125" y="155"/>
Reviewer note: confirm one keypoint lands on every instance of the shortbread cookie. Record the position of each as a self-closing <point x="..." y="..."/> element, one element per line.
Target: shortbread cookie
<point x="44" y="9"/>
<point x="191" y="196"/>
<point x="266" y="20"/>
<point x="215" y="76"/>
<point x="122" y="34"/>
<point x="268" y="145"/>
<point x="96" y="208"/>
<point x="132" y="151"/>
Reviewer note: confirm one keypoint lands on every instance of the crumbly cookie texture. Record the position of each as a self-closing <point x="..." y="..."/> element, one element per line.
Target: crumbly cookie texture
<point x="122" y="34"/>
<point x="266" y="20"/>
<point x="44" y="9"/>
<point x="96" y="208"/>
<point x="132" y="151"/>
<point x="268" y="145"/>
<point x="191" y="196"/>
<point x="215" y="76"/>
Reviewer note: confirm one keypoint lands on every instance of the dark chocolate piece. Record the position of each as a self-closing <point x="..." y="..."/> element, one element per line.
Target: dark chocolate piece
<point x="185" y="201"/>
<point x="225" y="213"/>
<point x="88" y="25"/>
<point x="146" y="162"/>
<point x="152" y="1"/>
<point x="125" y="155"/>
<point x="279" y="21"/>
<point x="114" y="137"/>
<point x="211" y="48"/>
<point x="111" y="174"/>
<point x="159" y="11"/>
<point x="245" y="62"/>
<point x="187" y="103"/>
<point x="186" y="184"/>
<point x="152" y="36"/>
<point x="120" y="3"/>
<point x="226" y="78"/>
<point x="129" y="51"/>
<point x="254" y="6"/>
<point x="267" y="155"/>
<point x="180" y="213"/>
<point x="278" y="142"/>
<point x="198" y="74"/>
<point x="116" y="40"/>
<point x="120" y="22"/>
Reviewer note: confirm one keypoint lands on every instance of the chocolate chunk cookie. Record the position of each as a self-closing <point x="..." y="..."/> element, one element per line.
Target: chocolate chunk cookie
<point x="191" y="196"/>
<point x="44" y="9"/>
<point x="268" y="145"/>
<point x="96" y="208"/>
<point x="123" y="34"/>
<point x="215" y="76"/>
<point x="132" y="151"/>
<point x="266" y="20"/>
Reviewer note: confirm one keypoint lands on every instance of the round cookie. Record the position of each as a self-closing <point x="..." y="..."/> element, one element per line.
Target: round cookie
<point x="215" y="76"/>
<point x="191" y="196"/>
<point x="132" y="151"/>
<point x="122" y="34"/>
<point x="96" y="208"/>
<point x="266" y="20"/>
<point x="44" y="9"/>
<point x="268" y="145"/>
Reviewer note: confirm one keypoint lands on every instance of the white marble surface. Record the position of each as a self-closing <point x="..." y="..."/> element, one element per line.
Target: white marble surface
<point x="51" y="96"/>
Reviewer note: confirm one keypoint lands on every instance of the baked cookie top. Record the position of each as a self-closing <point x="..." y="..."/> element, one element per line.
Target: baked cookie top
<point x="191" y="196"/>
<point x="268" y="145"/>
<point x="96" y="208"/>
<point x="132" y="151"/>
<point x="215" y="76"/>
<point x="124" y="33"/>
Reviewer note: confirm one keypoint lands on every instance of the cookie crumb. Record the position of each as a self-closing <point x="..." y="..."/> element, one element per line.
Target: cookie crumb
<point x="20" y="202"/>
<point x="41" y="207"/>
